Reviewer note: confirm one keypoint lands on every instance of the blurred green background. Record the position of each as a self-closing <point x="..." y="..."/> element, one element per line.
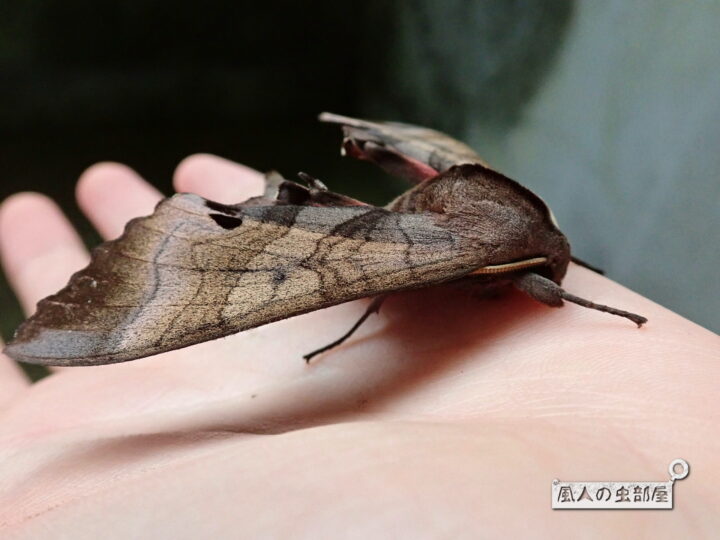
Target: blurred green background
<point x="609" y="110"/>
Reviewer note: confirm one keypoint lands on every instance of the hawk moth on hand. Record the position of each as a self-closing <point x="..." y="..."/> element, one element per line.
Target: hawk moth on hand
<point x="197" y="270"/>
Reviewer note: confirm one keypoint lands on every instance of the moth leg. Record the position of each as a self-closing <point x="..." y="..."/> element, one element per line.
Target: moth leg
<point x="587" y="265"/>
<point x="548" y="292"/>
<point x="374" y="307"/>
<point x="280" y="192"/>
<point x="312" y="182"/>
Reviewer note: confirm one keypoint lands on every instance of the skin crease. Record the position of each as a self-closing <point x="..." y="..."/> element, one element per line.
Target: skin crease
<point x="448" y="415"/>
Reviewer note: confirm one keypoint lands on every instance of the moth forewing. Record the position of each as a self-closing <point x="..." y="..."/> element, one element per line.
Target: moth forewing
<point x="197" y="270"/>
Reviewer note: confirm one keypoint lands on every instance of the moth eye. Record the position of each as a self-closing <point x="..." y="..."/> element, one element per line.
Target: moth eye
<point x="226" y="222"/>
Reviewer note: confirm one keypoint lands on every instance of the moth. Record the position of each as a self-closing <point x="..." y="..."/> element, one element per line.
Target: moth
<point x="197" y="270"/>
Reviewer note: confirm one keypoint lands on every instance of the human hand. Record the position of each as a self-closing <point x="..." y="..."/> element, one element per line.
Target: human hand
<point x="446" y="415"/>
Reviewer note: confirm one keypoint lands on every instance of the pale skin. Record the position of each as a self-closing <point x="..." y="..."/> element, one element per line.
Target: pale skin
<point x="446" y="416"/>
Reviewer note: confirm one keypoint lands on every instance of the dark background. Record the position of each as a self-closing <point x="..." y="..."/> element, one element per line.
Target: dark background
<point x="550" y="92"/>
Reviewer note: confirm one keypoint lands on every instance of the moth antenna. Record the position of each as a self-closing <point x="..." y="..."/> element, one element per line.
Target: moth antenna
<point x="548" y="292"/>
<point x="312" y="182"/>
<point x="637" y="319"/>
<point x="374" y="307"/>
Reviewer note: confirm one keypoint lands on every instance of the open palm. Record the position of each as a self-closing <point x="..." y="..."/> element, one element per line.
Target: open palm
<point x="447" y="415"/>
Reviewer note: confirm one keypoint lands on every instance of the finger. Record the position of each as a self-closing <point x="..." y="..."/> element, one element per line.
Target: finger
<point x="38" y="246"/>
<point x="13" y="381"/>
<point x="217" y="179"/>
<point x="110" y="194"/>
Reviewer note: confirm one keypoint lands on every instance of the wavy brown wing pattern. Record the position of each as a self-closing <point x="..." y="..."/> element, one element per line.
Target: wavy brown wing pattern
<point x="195" y="271"/>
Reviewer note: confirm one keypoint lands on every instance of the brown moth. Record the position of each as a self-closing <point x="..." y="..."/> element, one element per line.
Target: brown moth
<point x="197" y="270"/>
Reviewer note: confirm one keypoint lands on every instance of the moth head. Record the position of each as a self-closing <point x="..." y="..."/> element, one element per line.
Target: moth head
<point x="551" y="262"/>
